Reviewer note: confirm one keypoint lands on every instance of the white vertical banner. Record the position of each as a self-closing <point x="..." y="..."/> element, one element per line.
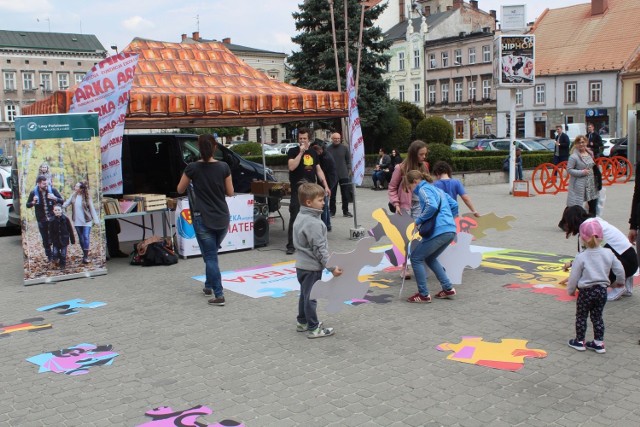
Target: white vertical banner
<point x="105" y="90"/>
<point x="356" y="141"/>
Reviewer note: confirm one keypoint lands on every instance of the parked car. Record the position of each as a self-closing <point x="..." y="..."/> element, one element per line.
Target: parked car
<point x="619" y="148"/>
<point x="549" y="143"/>
<point x="273" y="150"/>
<point x="485" y="136"/>
<point x="459" y="147"/>
<point x="285" y="149"/>
<point x="523" y="144"/>
<point x="6" y="197"/>
<point x="477" y="144"/>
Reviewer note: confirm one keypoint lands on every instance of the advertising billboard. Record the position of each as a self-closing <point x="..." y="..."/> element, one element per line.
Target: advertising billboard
<point x="514" y="61"/>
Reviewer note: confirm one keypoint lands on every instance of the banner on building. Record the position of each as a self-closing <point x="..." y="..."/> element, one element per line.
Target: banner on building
<point x="355" y="132"/>
<point x="105" y="90"/>
<point x="240" y="233"/>
<point x="58" y="158"/>
<point x="514" y="61"/>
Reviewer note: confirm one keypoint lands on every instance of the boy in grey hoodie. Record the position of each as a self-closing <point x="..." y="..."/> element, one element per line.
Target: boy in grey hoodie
<point x="312" y="254"/>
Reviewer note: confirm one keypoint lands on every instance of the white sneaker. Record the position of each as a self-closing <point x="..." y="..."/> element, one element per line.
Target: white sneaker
<point x="321" y="332"/>
<point x="615" y="294"/>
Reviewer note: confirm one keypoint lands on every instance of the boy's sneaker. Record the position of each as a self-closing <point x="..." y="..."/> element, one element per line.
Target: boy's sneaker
<point x="419" y="298"/>
<point x="303" y="327"/>
<point x="598" y="348"/>
<point x="615" y="294"/>
<point x="578" y="345"/>
<point x="217" y="301"/>
<point x="320" y="332"/>
<point x="446" y="294"/>
<point x="207" y="292"/>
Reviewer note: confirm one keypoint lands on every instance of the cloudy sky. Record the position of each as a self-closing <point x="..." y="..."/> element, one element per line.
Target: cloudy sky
<point x="263" y="24"/>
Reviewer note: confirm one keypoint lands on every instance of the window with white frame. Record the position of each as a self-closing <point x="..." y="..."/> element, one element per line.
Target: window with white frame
<point x="27" y="81"/>
<point x="518" y="96"/>
<point x="9" y="80"/>
<point x="416" y="58"/>
<point x="541" y="96"/>
<point x="416" y="92"/>
<point x="457" y="91"/>
<point x="486" y="53"/>
<point x="472" y="55"/>
<point x="445" y="59"/>
<point x="571" y="92"/>
<point x="63" y="81"/>
<point x="45" y="82"/>
<point x="78" y="77"/>
<point x="10" y="112"/>
<point x="432" y="61"/>
<point x="401" y="92"/>
<point x="595" y="91"/>
<point x="457" y="56"/>
<point x="444" y="92"/>
<point x="472" y="90"/>
<point x="401" y="61"/>
<point x="432" y="94"/>
<point x="486" y="89"/>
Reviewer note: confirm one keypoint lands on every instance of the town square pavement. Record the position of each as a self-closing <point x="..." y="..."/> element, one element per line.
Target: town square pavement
<point x="247" y="363"/>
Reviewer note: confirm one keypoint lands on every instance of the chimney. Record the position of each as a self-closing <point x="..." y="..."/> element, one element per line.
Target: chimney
<point x="493" y="14"/>
<point x="184" y="37"/>
<point x="427" y="10"/>
<point x="474" y="4"/>
<point x="196" y="36"/>
<point x="598" y="7"/>
<point x="226" y="40"/>
<point x="457" y="4"/>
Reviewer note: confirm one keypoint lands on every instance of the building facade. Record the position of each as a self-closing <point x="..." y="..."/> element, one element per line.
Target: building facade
<point x="33" y="65"/>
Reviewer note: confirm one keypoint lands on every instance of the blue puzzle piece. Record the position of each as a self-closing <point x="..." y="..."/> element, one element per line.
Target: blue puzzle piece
<point x="70" y="307"/>
<point x="274" y="292"/>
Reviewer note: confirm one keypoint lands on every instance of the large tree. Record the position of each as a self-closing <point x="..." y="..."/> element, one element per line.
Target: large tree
<point x="313" y="66"/>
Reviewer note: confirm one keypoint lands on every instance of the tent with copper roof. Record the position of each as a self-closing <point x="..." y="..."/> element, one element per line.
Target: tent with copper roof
<point x="204" y="85"/>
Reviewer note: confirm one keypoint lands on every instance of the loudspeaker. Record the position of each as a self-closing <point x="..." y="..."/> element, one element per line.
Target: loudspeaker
<point x="260" y="224"/>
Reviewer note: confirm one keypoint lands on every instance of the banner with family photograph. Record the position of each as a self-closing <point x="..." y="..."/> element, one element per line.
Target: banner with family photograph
<point x="59" y="172"/>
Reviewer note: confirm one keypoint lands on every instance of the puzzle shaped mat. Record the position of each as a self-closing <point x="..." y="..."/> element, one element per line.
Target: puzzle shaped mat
<point x="74" y="360"/>
<point x="553" y="289"/>
<point x="71" y="306"/>
<point x="508" y="354"/>
<point x="529" y="267"/>
<point x="24" y="325"/>
<point x="164" y="416"/>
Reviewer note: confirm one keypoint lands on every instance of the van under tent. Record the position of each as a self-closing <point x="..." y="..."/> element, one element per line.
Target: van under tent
<point x="179" y="85"/>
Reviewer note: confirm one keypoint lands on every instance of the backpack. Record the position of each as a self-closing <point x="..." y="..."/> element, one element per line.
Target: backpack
<point x="153" y="251"/>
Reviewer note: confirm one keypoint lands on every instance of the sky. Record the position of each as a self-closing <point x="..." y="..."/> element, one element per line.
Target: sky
<point x="261" y="24"/>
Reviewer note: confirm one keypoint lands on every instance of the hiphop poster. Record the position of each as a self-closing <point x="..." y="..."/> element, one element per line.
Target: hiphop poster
<point x="515" y="60"/>
<point x="59" y="173"/>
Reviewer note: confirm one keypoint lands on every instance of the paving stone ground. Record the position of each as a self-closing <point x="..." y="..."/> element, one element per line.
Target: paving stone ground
<point x="247" y="363"/>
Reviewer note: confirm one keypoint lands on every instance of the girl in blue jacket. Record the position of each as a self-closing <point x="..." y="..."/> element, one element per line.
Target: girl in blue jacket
<point x="428" y="249"/>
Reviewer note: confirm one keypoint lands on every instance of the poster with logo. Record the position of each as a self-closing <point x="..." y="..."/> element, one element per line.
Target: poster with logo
<point x="105" y="90"/>
<point x="514" y="60"/>
<point x="356" y="141"/>
<point x="59" y="174"/>
<point x="240" y="233"/>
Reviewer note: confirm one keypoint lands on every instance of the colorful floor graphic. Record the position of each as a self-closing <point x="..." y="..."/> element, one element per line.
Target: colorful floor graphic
<point x="508" y="354"/>
<point x="71" y="306"/>
<point x="164" y="416"/>
<point x="74" y="360"/>
<point x="24" y="325"/>
<point x="553" y="289"/>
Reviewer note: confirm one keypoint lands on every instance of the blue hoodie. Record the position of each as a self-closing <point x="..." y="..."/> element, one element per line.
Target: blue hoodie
<point x="430" y="197"/>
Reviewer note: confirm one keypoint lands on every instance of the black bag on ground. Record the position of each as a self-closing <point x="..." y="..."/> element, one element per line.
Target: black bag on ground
<point x="158" y="254"/>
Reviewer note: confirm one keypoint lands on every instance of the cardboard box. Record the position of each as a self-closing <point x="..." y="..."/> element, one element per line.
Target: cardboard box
<point x="264" y="188"/>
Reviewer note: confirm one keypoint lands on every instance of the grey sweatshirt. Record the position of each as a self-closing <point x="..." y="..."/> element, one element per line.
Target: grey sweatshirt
<point x="310" y="240"/>
<point x="591" y="268"/>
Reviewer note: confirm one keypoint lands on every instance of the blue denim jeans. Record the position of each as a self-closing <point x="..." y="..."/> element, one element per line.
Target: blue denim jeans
<point x="427" y="252"/>
<point x="59" y="254"/>
<point x="83" y="236"/>
<point x="307" y="306"/>
<point x="209" y="241"/>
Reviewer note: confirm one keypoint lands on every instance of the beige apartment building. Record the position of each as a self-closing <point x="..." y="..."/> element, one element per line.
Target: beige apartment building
<point x="33" y="65"/>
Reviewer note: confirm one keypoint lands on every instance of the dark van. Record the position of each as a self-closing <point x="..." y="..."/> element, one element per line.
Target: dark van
<point x="153" y="163"/>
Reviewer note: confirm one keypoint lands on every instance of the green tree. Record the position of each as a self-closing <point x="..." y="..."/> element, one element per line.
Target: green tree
<point x="400" y="136"/>
<point x="313" y="66"/>
<point x="436" y="130"/>
<point x="410" y="112"/>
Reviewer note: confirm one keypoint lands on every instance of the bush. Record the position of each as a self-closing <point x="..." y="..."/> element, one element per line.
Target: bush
<point x="435" y="130"/>
<point x="400" y="136"/>
<point x="437" y="152"/>
<point x="248" y="148"/>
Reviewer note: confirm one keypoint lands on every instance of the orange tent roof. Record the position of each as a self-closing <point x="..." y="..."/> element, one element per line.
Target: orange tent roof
<point x="570" y="40"/>
<point x="205" y="85"/>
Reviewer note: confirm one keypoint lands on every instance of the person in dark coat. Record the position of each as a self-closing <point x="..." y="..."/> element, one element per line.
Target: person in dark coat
<point x="328" y="166"/>
<point x="594" y="141"/>
<point x="561" y="152"/>
<point x="42" y="199"/>
<point x="60" y="233"/>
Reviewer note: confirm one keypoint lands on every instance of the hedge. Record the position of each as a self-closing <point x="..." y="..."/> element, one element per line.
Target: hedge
<point x="461" y="161"/>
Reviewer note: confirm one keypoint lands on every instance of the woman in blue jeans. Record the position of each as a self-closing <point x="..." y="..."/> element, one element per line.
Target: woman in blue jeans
<point x="427" y="250"/>
<point x="209" y="181"/>
<point x="84" y="216"/>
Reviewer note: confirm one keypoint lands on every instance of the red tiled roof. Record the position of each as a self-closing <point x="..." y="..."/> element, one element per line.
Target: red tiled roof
<point x="570" y="40"/>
